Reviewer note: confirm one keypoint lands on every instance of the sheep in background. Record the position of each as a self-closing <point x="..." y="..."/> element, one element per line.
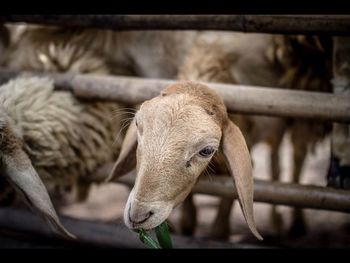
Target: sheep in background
<point x="52" y="134"/>
<point x="294" y="62"/>
<point x="47" y="49"/>
<point x="306" y="62"/>
<point x="64" y="138"/>
<point x="303" y="62"/>
<point x="153" y="54"/>
<point x="37" y="48"/>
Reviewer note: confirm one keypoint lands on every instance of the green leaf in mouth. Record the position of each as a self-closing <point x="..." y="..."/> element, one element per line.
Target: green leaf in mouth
<point x="163" y="236"/>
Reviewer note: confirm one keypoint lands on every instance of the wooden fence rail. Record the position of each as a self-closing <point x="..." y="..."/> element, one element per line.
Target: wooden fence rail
<point x="238" y="98"/>
<point x="288" y="194"/>
<point x="280" y="24"/>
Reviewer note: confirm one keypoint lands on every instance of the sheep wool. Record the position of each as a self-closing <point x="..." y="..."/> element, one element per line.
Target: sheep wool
<point x="65" y="138"/>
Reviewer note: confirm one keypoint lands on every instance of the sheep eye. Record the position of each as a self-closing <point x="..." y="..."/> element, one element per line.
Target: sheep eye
<point x="207" y="151"/>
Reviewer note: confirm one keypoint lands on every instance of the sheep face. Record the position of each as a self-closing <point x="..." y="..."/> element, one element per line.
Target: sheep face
<point x="176" y="141"/>
<point x="177" y="134"/>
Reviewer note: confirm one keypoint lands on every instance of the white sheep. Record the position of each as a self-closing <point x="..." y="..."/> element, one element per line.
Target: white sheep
<point x="64" y="138"/>
<point x="176" y="134"/>
<point x="153" y="54"/>
<point x="59" y="137"/>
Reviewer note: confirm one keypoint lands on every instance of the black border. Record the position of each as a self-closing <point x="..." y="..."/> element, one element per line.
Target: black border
<point x="176" y="7"/>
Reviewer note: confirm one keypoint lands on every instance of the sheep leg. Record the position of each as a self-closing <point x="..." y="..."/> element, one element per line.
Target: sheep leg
<point x="298" y="228"/>
<point x="221" y="226"/>
<point x="188" y="219"/>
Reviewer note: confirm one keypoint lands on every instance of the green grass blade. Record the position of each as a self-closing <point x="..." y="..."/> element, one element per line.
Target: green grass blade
<point x="163" y="236"/>
<point x="147" y="240"/>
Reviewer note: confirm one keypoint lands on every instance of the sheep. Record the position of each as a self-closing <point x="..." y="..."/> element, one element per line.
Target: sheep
<point x="306" y="62"/>
<point x="152" y="54"/>
<point x="176" y="135"/>
<point x="45" y="51"/>
<point x="38" y="48"/>
<point x="52" y="134"/>
<point x="63" y="138"/>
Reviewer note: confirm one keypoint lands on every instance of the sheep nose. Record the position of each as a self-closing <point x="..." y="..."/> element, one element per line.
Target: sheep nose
<point x="139" y="216"/>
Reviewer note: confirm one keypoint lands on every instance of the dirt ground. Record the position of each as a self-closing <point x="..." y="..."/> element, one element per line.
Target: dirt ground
<point x="326" y="229"/>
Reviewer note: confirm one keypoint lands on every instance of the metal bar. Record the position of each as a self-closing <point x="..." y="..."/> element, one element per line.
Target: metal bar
<point x="238" y="98"/>
<point x="288" y="194"/>
<point x="277" y="24"/>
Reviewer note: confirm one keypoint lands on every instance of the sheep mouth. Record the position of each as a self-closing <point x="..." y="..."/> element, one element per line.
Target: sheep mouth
<point x="138" y="223"/>
<point x="147" y="224"/>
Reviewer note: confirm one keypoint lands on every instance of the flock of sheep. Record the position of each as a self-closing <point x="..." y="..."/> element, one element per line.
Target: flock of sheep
<point x="50" y="140"/>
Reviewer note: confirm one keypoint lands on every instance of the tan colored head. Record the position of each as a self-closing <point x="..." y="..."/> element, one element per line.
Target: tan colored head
<point x="176" y="134"/>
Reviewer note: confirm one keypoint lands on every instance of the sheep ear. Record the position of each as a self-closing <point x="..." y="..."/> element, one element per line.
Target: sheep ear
<point x="23" y="177"/>
<point x="239" y="163"/>
<point x="127" y="157"/>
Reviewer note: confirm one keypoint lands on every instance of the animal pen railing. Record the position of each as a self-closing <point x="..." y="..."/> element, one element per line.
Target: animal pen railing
<point x="238" y="98"/>
<point x="285" y="24"/>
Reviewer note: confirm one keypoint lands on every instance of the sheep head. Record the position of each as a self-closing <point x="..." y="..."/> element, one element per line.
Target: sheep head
<point x="175" y="135"/>
<point x="17" y="168"/>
